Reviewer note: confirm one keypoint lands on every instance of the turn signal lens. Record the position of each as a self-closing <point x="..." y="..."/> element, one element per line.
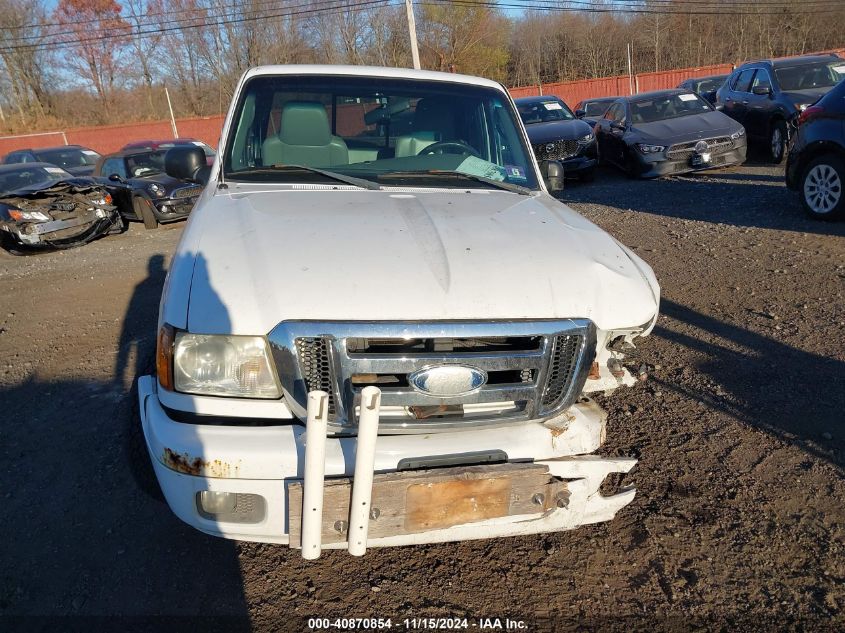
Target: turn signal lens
<point x="164" y="356"/>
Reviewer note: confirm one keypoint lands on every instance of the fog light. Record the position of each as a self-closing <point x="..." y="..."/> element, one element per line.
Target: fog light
<point x="218" y="502"/>
<point x="231" y="507"/>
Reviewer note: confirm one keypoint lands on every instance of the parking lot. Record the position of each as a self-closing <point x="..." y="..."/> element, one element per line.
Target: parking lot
<point x="739" y="429"/>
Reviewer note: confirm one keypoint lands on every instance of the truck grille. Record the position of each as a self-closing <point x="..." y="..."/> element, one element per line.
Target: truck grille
<point x="556" y="150"/>
<point x="684" y="151"/>
<point x="534" y="369"/>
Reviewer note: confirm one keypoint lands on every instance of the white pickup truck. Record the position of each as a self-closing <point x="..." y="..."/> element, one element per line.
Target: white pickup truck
<point x="380" y="245"/>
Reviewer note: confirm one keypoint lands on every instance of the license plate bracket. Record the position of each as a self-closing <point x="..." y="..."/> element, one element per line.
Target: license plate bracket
<point x="409" y="502"/>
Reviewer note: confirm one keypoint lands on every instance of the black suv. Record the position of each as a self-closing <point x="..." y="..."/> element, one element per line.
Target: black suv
<point x="816" y="164"/>
<point x="767" y="96"/>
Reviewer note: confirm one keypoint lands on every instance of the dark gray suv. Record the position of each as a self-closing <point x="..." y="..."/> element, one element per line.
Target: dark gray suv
<point x="767" y="96"/>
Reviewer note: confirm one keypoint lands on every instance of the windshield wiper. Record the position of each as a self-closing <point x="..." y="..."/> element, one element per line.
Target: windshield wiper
<point x="333" y="175"/>
<point x="498" y="184"/>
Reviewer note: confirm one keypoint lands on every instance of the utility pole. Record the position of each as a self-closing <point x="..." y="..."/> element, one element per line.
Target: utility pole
<point x="412" y="31"/>
<point x="172" y="118"/>
<point x="630" y="50"/>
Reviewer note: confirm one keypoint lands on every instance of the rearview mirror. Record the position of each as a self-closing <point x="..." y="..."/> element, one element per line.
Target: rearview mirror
<point x="580" y="113"/>
<point x="552" y="171"/>
<point x="762" y="90"/>
<point x="187" y="163"/>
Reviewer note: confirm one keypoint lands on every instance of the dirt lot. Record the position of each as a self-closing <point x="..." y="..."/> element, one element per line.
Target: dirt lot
<point x="738" y="524"/>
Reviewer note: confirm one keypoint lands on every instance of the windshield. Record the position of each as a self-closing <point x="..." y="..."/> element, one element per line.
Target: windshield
<point x="140" y="165"/>
<point x="208" y="151"/>
<point x="69" y="158"/>
<point x="550" y="109"/>
<point x="669" y="106"/>
<point x="709" y="85"/>
<point x="29" y="176"/>
<point x="388" y="131"/>
<point x="597" y="108"/>
<point x="810" y="76"/>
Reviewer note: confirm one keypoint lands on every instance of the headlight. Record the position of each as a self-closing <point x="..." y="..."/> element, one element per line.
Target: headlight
<point x="223" y="366"/>
<point x="802" y="106"/>
<point x="738" y="134"/>
<point x="28" y="216"/>
<point x="586" y="139"/>
<point x="156" y="189"/>
<point x="650" y="149"/>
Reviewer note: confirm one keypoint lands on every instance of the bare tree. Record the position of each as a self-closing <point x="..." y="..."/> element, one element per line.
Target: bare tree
<point x="94" y="34"/>
<point x="24" y="61"/>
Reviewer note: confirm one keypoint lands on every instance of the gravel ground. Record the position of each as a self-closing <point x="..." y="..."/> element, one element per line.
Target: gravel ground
<point x="738" y="523"/>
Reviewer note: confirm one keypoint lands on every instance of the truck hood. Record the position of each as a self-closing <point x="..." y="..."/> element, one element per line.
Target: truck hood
<point x="250" y="259"/>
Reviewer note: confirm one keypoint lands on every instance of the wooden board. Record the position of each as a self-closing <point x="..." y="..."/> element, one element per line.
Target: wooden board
<point x="415" y="501"/>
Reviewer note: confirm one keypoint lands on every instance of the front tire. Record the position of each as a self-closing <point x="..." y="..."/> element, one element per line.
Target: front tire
<point x="778" y="139"/>
<point x="822" y="184"/>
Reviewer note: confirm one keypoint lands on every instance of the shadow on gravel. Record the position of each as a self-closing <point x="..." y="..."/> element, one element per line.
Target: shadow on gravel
<point x="793" y="394"/>
<point x="85" y="549"/>
<point x="719" y="196"/>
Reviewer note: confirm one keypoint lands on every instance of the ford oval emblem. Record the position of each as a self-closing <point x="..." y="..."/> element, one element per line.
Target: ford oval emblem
<point x="447" y="381"/>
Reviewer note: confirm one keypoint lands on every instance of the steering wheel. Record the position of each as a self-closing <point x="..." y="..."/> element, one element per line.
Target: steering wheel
<point x="443" y="147"/>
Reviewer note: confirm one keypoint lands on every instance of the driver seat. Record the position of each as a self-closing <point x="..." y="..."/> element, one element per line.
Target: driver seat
<point x="305" y="138"/>
<point x="433" y="122"/>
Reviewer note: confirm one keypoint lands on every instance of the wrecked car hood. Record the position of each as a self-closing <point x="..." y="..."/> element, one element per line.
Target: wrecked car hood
<point x="74" y="185"/>
<point x="252" y="257"/>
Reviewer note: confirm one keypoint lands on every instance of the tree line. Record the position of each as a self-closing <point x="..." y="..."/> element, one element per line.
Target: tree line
<point x="89" y="62"/>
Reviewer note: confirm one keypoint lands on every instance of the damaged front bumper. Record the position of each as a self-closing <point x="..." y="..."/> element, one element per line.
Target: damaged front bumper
<point x="64" y="232"/>
<point x="258" y="471"/>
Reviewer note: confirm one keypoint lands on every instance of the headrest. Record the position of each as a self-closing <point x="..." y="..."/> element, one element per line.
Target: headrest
<point x="184" y="162"/>
<point x="305" y="123"/>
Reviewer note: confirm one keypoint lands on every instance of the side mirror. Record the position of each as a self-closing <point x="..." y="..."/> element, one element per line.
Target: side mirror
<point x="762" y="90"/>
<point x="580" y="114"/>
<point x="552" y="171"/>
<point x="187" y="163"/>
<point x="115" y="178"/>
<point x="617" y="126"/>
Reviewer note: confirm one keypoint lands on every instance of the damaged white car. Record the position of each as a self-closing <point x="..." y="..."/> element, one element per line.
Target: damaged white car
<point x="381" y="329"/>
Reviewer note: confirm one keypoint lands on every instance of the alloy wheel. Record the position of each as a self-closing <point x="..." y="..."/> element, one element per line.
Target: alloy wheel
<point x="822" y="188"/>
<point x="777" y="143"/>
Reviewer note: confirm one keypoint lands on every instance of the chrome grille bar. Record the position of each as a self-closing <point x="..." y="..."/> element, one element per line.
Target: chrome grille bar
<point x="531" y="380"/>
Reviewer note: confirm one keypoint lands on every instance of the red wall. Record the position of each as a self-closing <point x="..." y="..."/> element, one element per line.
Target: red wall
<point x="110" y="138"/>
<point x="574" y="91"/>
<point x="671" y="78"/>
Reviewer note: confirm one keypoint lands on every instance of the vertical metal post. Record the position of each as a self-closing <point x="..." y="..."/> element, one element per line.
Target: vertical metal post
<point x="412" y="32"/>
<point x="315" y="473"/>
<point x="629" y="48"/>
<point x="172" y="118"/>
<point x="362" y="484"/>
